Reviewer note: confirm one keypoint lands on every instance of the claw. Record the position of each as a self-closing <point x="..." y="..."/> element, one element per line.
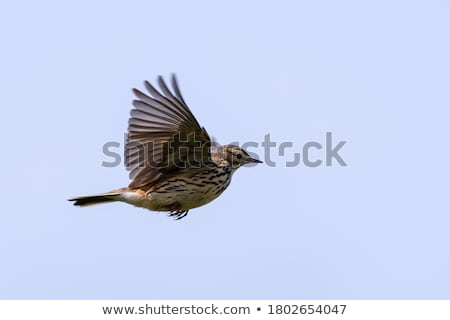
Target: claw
<point x="178" y="214"/>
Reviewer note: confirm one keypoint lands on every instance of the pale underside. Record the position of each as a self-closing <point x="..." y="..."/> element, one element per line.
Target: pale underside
<point x="177" y="194"/>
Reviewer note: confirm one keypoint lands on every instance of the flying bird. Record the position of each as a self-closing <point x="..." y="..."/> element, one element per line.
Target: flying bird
<point x="173" y="165"/>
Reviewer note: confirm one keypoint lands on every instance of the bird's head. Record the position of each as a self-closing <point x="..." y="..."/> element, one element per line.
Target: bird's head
<point x="233" y="156"/>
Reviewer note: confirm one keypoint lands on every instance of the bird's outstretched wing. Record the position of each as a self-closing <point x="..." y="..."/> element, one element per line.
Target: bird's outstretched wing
<point x="163" y="135"/>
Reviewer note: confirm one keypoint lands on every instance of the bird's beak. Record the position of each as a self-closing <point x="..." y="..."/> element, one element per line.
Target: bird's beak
<point x="251" y="160"/>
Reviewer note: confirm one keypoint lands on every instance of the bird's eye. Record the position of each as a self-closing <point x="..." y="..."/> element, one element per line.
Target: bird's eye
<point x="239" y="156"/>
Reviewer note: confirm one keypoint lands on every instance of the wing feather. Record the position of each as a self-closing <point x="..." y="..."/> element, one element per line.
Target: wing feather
<point x="162" y="134"/>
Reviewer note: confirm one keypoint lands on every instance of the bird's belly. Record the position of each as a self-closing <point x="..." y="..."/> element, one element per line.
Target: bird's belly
<point x="178" y="194"/>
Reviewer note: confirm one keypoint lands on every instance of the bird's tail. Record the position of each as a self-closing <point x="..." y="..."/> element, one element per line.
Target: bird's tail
<point x="85" y="201"/>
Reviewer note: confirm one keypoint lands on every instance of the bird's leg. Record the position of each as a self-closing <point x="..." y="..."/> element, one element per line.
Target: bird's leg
<point x="178" y="214"/>
<point x="176" y="211"/>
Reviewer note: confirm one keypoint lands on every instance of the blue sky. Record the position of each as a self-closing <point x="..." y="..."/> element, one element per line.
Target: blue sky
<point x="375" y="74"/>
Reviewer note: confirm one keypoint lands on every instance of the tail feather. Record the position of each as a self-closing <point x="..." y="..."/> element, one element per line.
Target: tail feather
<point x="85" y="201"/>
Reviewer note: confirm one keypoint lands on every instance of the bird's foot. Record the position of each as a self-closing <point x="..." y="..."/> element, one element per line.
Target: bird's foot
<point x="178" y="214"/>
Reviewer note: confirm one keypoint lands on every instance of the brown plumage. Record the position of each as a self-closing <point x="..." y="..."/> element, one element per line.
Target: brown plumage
<point x="172" y="164"/>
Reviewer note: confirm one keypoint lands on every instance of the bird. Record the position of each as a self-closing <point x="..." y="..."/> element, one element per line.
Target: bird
<point x="173" y="164"/>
